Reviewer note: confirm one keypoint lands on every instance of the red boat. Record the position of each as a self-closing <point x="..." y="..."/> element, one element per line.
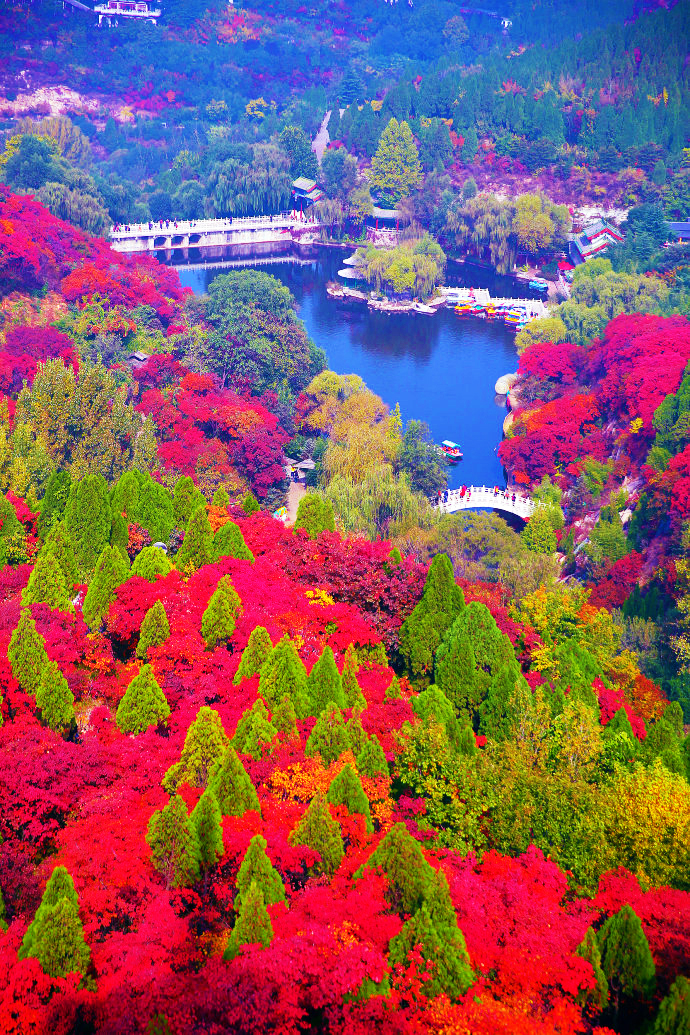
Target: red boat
<point x="451" y="451"/>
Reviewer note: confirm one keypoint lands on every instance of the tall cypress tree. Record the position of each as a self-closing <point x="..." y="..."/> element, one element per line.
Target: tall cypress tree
<point x="257" y="868"/>
<point x="54" y="502"/>
<point x="285" y="718"/>
<point x="421" y="633"/>
<point x="253" y="926"/>
<point x="111" y="571"/>
<point x="314" y="515"/>
<point x="156" y="511"/>
<point x="124" y="498"/>
<point x="59" y="944"/>
<point x="229" y="542"/>
<point x="144" y="704"/>
<point x="455" y="670"/>
<point x="233" y="787"/>
<point x="318" y="830"/>
<point x="324" y="685"/>
<point x="204" y="746"/>
<point x="395" y="167"/>
<point x="450" y="965"/>
<point x="207" y="821"/>
<point x="284" y="673"/>
<point x="27" y="653"/>
<point x="219" y="618"/>
<point x="87" y="521"/>
<point x="497" y="712"/>
<point x="60" y="885"/>
<point x="151" y="562"/>
<point x="411" y="880"/>
<point x="625" y="957"/>
<point x="433" y="702"/>
<point x="221" y="498"/>
<point x="174" y="845"/>
<point x="186" y="499"/>
<point x="346" y="789"/>
<point x="47" y="585"/>
<point x="55" y="699"/>
<point x="674" y="1013"/>
<point x="371" y="761"/>
<point x="197" y="546"/>
<point x="354" y="697"/>
<point x="588" y="949"/>
<point x="59" y="546"/>
<point x="155" y="629"/>
<point x="254" y="655"/>
<point x="329" y="737"/>
<point x="254" y="731"/>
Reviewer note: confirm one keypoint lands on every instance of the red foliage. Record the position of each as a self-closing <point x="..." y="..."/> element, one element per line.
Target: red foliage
<point x="611" y="701"/>
<point x="620" y="580"/>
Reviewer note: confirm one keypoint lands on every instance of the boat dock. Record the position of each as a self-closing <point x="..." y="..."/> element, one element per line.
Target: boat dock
<point x="479" y="302"/>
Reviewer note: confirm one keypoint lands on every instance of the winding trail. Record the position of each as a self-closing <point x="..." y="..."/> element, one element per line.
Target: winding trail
<point x="322" y="138"/>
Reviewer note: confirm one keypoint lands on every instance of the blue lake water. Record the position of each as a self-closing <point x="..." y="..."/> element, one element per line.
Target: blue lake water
<point x="440" y="369"/>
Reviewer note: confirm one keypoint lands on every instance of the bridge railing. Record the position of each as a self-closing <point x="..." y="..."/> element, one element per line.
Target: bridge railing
<point x="484" y="496"/>
<point x="201" y="226"/>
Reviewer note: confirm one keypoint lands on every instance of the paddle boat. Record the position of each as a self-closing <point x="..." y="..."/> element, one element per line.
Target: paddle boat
<point x="451" y="451"/>
<point x="539" y="284"/>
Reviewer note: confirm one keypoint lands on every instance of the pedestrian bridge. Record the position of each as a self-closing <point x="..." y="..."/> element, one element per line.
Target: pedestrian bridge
<point x="486" y="496"/>
<point x="170" y="235"/>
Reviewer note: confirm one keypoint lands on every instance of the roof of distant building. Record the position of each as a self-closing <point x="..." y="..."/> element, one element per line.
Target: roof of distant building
<point x="303" y="184"/>
<point x="680" y="229"/>
<point x="595" y="237"/>
<point x="385" y="213"/>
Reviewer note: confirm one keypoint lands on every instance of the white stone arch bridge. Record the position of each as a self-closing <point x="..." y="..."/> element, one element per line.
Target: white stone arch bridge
<point x="474" y="496"/>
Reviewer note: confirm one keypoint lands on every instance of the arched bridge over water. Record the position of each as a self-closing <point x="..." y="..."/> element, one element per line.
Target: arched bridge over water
<point x="486" y="496"/>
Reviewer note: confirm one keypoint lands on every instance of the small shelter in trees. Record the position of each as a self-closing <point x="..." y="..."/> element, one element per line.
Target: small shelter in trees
<point x="593" y="239"/>
<point x="305" y="193"/>
<point x="137" y="359"/>
<point x="382" y="225"/>
<point x="111" y="11"/>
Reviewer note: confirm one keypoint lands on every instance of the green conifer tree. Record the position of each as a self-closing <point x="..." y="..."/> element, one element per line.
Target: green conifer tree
<point x="395" y="167"/>
<point x="253" y="926"/>
<point x="124" y="497"/>
<point x="87" y="521"/>
<point x="254" y="655"/>
<point x="3" y="914"/>
<point x="174" y="845"/>
<point x="598" y="996"/>
<point x="155" y="629"/>
<point x="433" y="702"/>
<point x="233" y="787"/>
<point x="354" y="698"/>
<point x="111" y="571"/>
<point x="59" y="944"/>
<point x="55" y="699"/>
<point x="229" y="542"/>
<point x="371" y="760"/>
<point x="27" y="653"/>
<point x="421" y="633"/>
<point x="46" y="584"/>
<point x="497" y="712"/>
<point x="356" y="735"/>
<point x="318" y="830"/>
<point x="324" y="685"/>
<point x="625" y="958"/>
<point x="186" y="500"/>
<point x="257" y="868"/>
<point x="221" y="498"/>
<point x="143" y="705"/>
<point x="450" y="969"/>
<point x="54" y="502"/>
<point x="285" y="718"/>
<point x="284" y="673"/>
<point x="620" y="743"/>
<point x="674" y="1013"/>
<point x="119" y="535"/>
<point x="411" y="880"/>
<point x="455" y="670"/>
<point x="60" y="886"/>
<point x="329" y="736"/>
<point x="219" y="619"/>
<point x="204" y="746"/>
<point x="250" y="504"/>
<point x="314" y="515"/>
<point x="538" y="534"/>
<point x="197" y="546"/>
<point x="151" y="562"/>
<point x="207" y="821"/>
<point x="156" y="509"/>
<point x="254" y="731"/>
<point x="59" y="546"/>
<point x="346" y="789"/>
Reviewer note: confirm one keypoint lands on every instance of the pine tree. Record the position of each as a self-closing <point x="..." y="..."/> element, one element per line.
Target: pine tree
<point x="497" y="711"/>
<point x="111" y="571"/>
<point x="60" y="886"/>
<point x="254" y="731"/>
<point x="253" y="926"/>
<point x="59" y="944"/>
<point x="186" y="500"/>
<point x="55" y="699"/>
<point x="324" y="685"/>
<point x="27" y="653"/>
<point x="371" y="760"/>
<point x="143" y="705"/>
<point x="174" y="845"/>
<point x="229" y="542"/>
<point x="411" y="880"/>
<point x="256" y="868"/>
<point x="58" y="545"/>
<point x="233" y="787"/>
<point x="354" y="698"/>
<point x="284" y="673"/>
<point x="395" y="167"/>
<point x="455" y="670"/>
<point x="151" y="562"/>
<point x="625" y="957"/>
<point x="155" y="629"/>
<point x="219" y="618"/>
<point x="87" y="521"/>
<point x="197" y="546"/>
<point x="674" y="1013"/>
<point x="221" y="498"/>
<point x="538" y="534"/>
<point x="421" y="633"/>
<point x="54" y="502"/>
<point x="598" y="996"/>
<point x="620" y="743"/>
<point x="433" y="702"/>
<point x="329" y="736"/>
<point x="46" y="584"/>
<point x="393" y="691"/>
<point x="207" y="822"/>
<point x="285" y="718"/>
<point x="204" y="746"/>
<point x="346" y="789"/>
<point x="314" y="515"/>
<point x="356" y="735"/>
<point x="156" y="510"/>
<point x="450" y="969"/>
<point x="250" y="504"/>
<point x="124" y="498"/>
<point x="318" y="830"/>
<point x="254" y="655"/>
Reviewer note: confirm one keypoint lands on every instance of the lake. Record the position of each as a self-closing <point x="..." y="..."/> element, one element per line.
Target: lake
<point x="440" y="369"/>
